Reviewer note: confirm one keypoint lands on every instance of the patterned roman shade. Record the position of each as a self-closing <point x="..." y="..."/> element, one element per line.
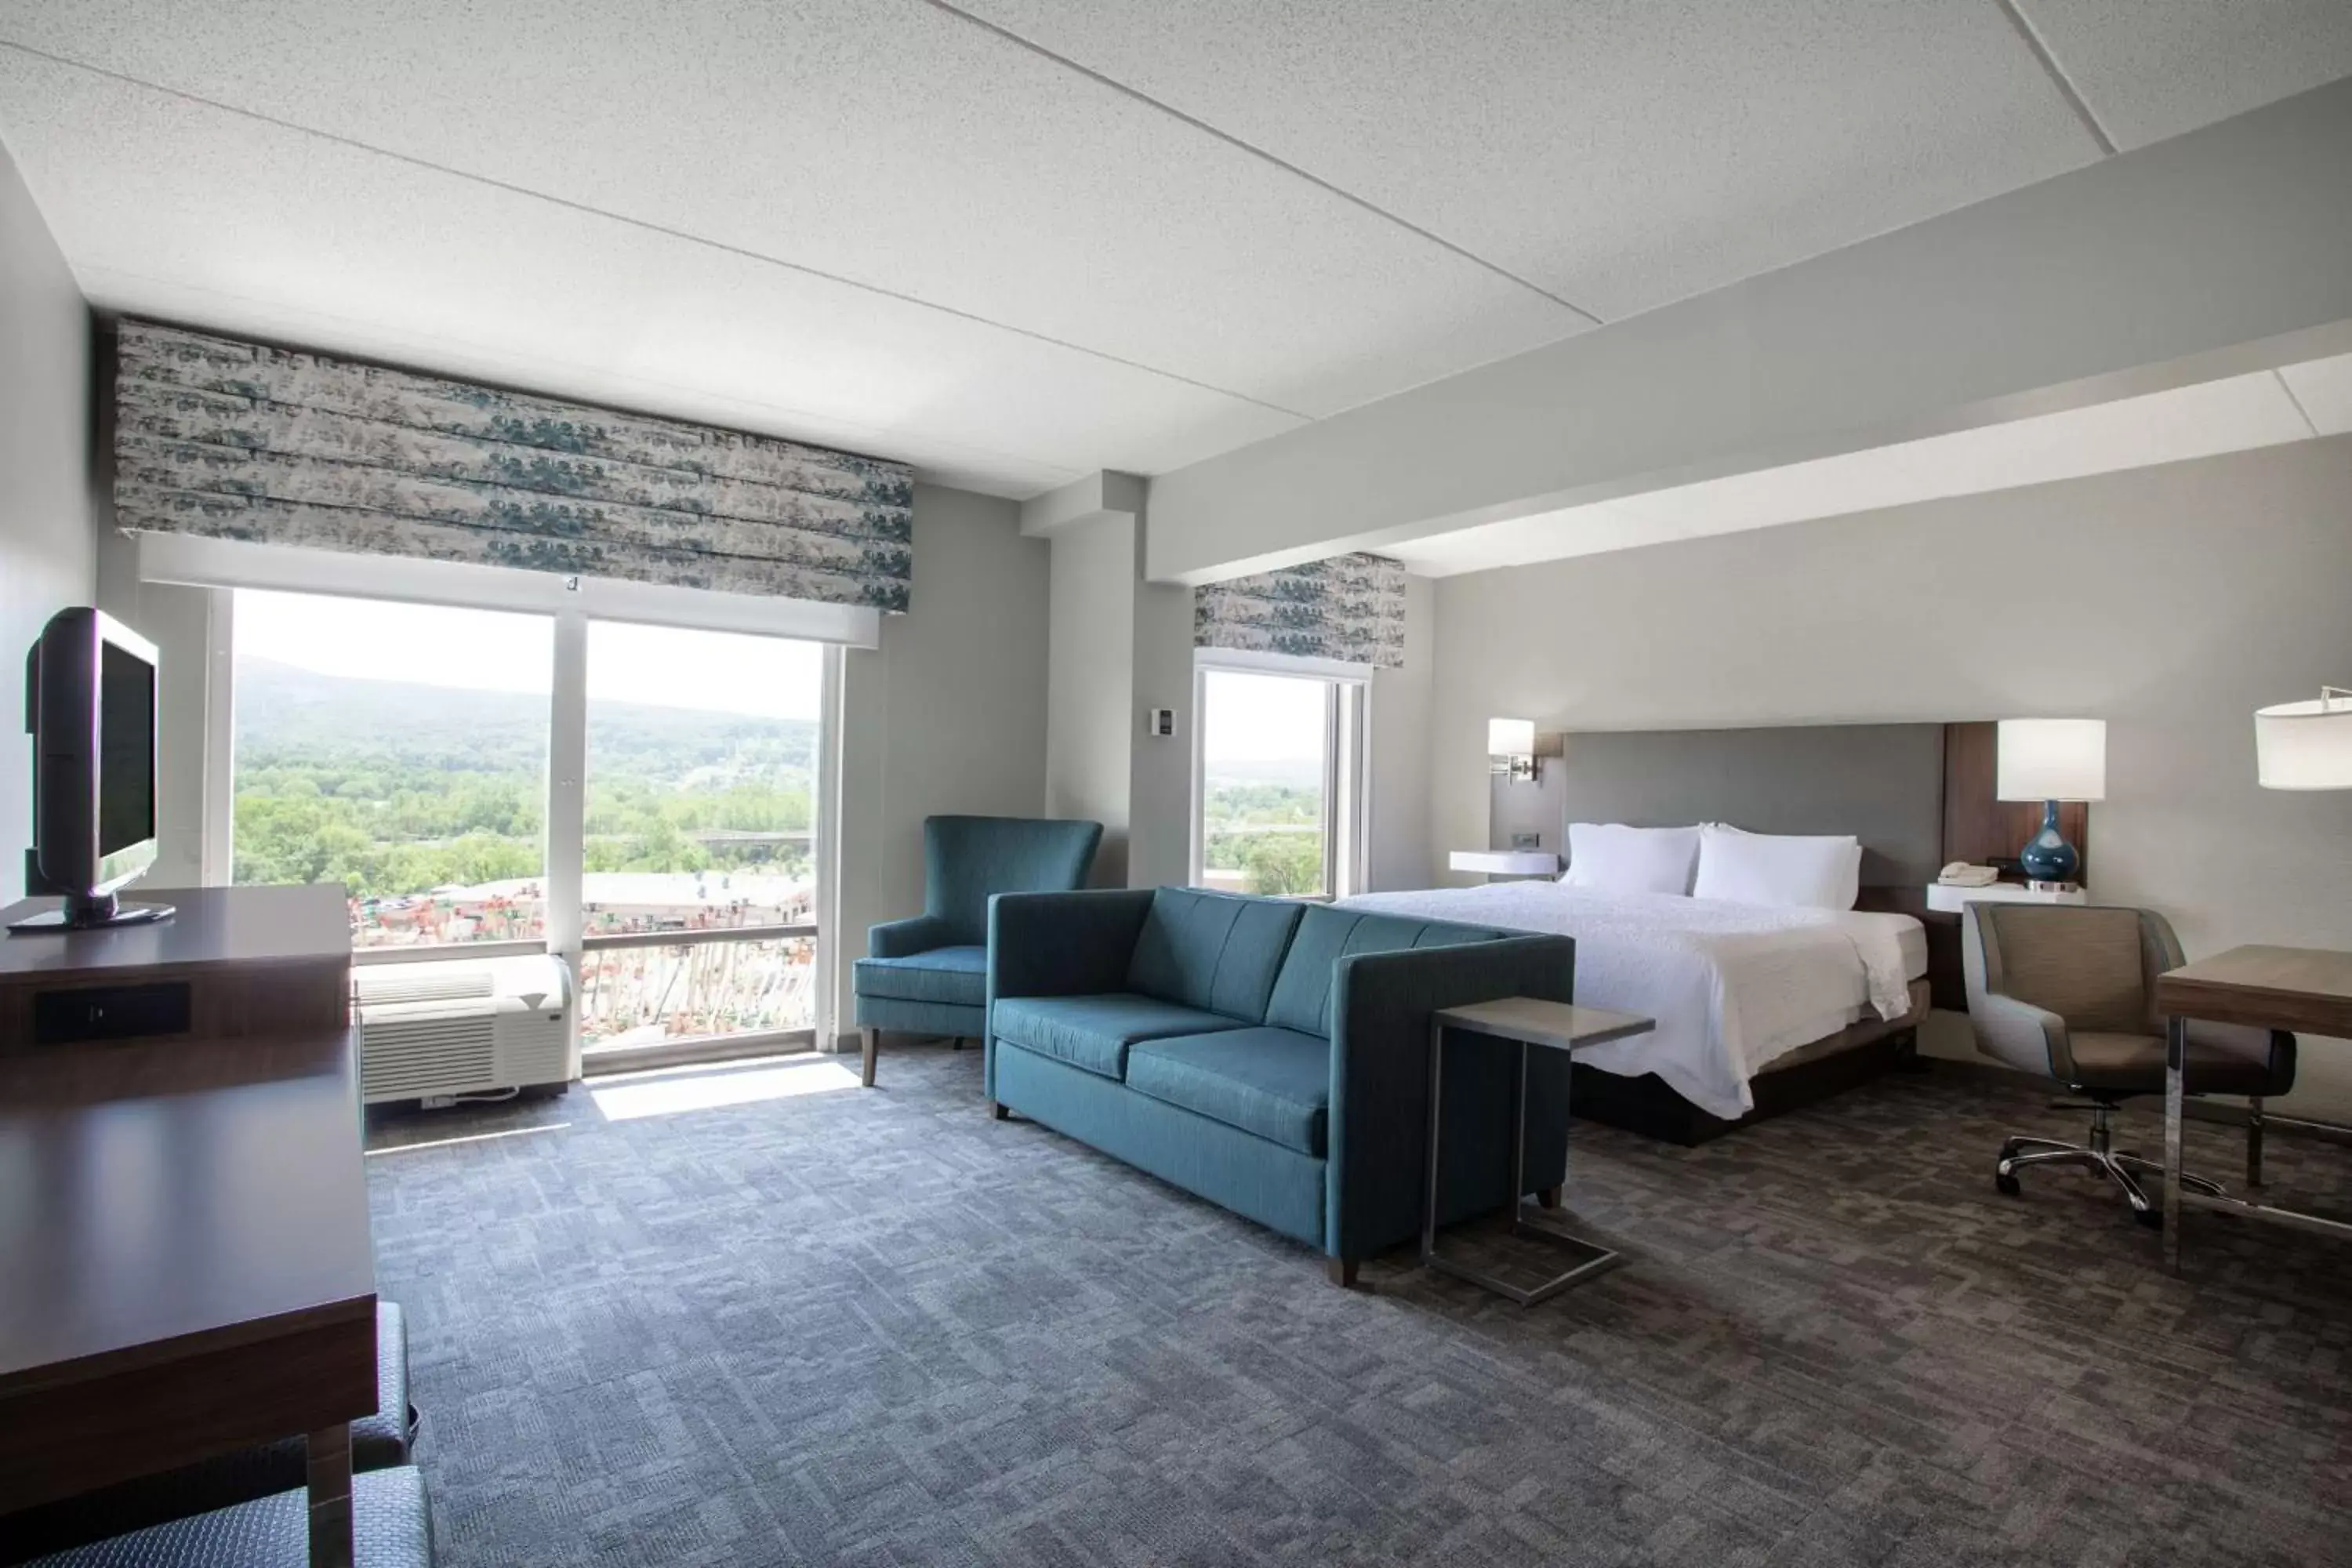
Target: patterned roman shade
<point x="1350" y="607"/>
<point x="237" y="440"/>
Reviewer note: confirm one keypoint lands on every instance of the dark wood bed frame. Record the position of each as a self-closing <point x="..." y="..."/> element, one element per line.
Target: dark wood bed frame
<point x="1975" y="826"/>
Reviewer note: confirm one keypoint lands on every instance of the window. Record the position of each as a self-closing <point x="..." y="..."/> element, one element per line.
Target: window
<point x="1278" y="800"/>
<point x="645" y="798"/>
<point x="699" y="893"/>
<point x="400" y="750"/>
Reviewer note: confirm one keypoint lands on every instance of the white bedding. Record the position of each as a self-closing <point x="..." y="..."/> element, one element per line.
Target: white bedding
<point x="1731" y="986"/>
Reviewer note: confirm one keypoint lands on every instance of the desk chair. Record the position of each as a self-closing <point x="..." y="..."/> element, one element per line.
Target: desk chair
<point x="384" y="1441"/>
<point x="2068" y="992"/>
<point x="929" y="976"/>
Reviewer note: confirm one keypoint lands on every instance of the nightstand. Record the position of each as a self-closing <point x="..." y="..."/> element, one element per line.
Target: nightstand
<point x="1947" y="898"/>
<point x="1505" y="862"/>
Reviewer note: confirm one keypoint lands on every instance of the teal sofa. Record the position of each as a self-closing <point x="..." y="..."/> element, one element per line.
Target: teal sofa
<point x="929" y="974"/>
<point x="1271" y="1057"/>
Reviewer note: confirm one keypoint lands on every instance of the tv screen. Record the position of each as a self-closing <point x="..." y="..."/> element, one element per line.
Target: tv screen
<point x="126" y="750"/>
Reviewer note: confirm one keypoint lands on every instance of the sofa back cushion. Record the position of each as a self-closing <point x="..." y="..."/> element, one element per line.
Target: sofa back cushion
<point x="1213" y="951"/>
<point x="1302" y="991"/>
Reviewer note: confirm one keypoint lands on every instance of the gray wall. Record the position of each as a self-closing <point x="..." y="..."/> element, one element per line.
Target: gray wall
<point x="1398" y="853"/>
<point x="948" y="714"/>
<point x="2172" y="601"/>
<point x="1090" y="683"/>
<point x="46" y="559"/>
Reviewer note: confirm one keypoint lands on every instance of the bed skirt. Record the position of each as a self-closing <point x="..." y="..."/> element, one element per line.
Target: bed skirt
<point x="1812" y="1073"/>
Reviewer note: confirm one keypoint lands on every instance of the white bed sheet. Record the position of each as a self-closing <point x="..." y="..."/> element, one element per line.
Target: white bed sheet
<point x="1733" y="987"/>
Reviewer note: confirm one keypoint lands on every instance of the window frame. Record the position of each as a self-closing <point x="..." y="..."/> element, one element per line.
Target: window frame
<point x="1346" y="760"/>
<point x="222" y="567"/>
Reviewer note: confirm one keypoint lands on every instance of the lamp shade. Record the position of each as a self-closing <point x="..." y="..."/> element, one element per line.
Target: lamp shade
<point x="1510" y="737"/>
<point x="2052" y="758"/>
<point x="2305" y="745"/>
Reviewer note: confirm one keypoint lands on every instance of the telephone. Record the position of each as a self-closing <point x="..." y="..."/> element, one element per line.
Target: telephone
<point x="1961" y="874"/>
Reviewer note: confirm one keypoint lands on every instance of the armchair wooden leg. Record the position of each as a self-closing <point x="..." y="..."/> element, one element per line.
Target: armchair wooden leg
<point x="999" y="1111"/>
<point x="868" y="1040"/>
<point x="2254" y="1141"/>
<point x="957" y="1044"/>
<point x="1342" y="1271"/>
<point x="1549" y="1197"/>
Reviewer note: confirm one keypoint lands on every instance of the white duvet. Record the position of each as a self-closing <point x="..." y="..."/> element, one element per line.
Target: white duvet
<point x="1731" y="986"/>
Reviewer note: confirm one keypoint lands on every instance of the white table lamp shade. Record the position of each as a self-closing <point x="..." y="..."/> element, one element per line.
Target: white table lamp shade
<point x="2052" y="758"/>
<point x="2305" y="745"/>
<point x="1510" y="737"/>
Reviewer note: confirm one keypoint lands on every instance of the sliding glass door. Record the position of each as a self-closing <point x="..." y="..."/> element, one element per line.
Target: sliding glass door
<point x="700" y="883"/>
<point x="401" y="749"/>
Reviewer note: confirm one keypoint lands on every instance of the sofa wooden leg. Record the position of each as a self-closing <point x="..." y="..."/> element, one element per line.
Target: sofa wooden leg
<point x="999" y="1111"/>
<point x="1549" y="1197"/>
<point x="1342" y="1271"/>
<point x="868" y="1042"/>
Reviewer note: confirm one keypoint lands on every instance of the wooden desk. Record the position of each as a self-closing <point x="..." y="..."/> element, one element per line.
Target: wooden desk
<point x="184" y="1219"/>
<point x="2295" y="988"/>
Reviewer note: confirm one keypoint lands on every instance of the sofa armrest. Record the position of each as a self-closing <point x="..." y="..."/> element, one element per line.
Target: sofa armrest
<point x="1062" y="944"/>
<point x="1059" y="944"/>
<point x="1379" y="1125"/>
<point x="901" y="939"/>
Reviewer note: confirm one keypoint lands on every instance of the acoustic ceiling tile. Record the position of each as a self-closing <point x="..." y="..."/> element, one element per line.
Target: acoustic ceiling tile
<point x="1622" y="154"/>
<point x="182" y="210"/>
<point x="886" y="141"/>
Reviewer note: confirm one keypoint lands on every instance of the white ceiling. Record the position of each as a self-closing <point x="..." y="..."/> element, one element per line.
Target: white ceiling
<point x="1021" y="240"/>
<point x="2263" y="409"/>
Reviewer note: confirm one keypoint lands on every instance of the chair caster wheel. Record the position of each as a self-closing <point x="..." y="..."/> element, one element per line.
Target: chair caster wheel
<point x="2006" y="1184"/>
<point x="2151" y="1217"/>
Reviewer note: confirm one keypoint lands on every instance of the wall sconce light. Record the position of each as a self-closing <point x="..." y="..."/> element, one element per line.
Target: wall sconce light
<point x="1511" y="749"/>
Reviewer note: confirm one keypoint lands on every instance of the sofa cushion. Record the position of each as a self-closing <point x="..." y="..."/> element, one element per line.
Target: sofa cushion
<point x="1211" y="950"/>
<point x="1302" y="991"/>
<point x="954" y="975"/>
<point x="1094" y="1032"/>
<point x="1276" y="1083"/>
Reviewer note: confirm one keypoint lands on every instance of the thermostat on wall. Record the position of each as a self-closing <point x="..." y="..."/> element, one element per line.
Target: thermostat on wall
<point x="1161" y="722"/>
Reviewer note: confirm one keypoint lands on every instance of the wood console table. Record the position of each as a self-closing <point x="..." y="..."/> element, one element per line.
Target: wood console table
<point x="185" y="1214"/>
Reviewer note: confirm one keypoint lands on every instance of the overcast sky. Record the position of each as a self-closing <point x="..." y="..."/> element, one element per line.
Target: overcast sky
<point x="482" y="650"/>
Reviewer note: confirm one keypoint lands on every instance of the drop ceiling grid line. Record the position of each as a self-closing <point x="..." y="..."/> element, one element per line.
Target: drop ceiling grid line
<point x="649" y="227"/>
<point x="2015" y="11"/>
<point x="1255" y="150"/>
<point x="2288" y="387"/>
<point x="425" y="342"/>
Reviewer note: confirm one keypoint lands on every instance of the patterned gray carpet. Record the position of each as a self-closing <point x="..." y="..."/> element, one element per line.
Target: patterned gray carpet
<point x="880" y="1328"/>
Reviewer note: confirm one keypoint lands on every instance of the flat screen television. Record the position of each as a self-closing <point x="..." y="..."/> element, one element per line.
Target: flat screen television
<point x="89" y="703"/>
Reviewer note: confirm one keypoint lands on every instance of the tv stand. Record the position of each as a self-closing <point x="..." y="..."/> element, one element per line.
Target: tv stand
<point x="80" y="913"/>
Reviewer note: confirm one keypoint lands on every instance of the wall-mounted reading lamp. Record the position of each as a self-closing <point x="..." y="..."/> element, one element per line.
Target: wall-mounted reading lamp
<point x="1512" y="749"/>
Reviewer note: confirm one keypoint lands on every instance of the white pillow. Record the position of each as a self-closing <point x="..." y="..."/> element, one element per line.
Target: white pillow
<point x="1778" y="868"/>
<point x="1613" y="858"/>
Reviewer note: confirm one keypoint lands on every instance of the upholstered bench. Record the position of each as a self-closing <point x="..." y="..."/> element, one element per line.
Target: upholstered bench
<point x="381" y="1441"/>
<point x="392" y="1527"/>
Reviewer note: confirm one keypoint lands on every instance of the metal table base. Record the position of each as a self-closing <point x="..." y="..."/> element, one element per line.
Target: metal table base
<point x="1596" y="1259"/>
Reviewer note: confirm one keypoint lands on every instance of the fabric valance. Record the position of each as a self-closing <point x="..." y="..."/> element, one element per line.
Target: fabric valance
<point x="1349" y="608"/>
<point x="237" y="440"/>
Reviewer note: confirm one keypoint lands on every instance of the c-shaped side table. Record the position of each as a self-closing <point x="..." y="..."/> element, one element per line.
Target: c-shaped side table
<point x="1529" y="1021"/>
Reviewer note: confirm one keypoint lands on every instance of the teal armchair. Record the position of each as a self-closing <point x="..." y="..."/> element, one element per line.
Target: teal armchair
<point x="929" y="974"/>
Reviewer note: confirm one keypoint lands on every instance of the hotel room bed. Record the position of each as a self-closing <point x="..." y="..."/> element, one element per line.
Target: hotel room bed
<point x="1792" y="1010"/>
<point x="1736" y="989"/>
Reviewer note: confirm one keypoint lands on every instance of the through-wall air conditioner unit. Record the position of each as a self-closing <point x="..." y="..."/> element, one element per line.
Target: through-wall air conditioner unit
<point x="455" y="1026"/>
